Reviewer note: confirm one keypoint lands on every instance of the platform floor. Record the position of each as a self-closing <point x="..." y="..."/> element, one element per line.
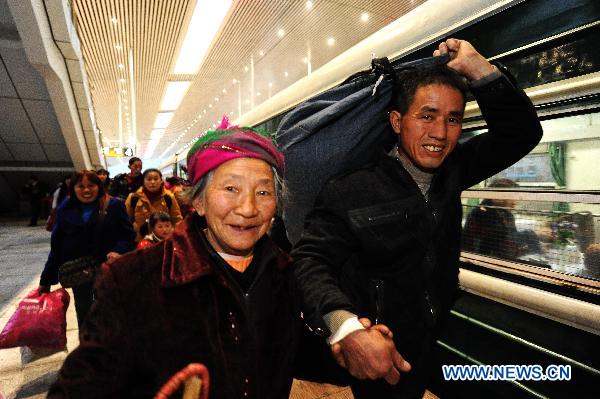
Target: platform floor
<point x="27" y="374"/>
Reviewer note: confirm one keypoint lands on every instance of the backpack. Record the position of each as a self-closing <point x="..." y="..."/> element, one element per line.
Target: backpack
<point x="335" y="131"/>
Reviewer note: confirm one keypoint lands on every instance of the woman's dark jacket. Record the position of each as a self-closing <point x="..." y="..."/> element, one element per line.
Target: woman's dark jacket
<point x="73" y="238"/>
<point x="174" y="303"/>
<point x="374" y="246"/>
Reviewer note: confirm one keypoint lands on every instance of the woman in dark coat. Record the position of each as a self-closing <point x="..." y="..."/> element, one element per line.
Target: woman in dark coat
<point x="75" y="234"/>
<point x="217" y="291"/>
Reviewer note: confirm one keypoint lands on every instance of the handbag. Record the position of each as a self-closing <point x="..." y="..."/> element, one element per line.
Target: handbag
<point x="78" y="271"/>
<point x="82" y="270"/>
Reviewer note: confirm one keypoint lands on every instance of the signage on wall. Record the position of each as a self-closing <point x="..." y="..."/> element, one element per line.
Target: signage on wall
<point x="117" y="151"/>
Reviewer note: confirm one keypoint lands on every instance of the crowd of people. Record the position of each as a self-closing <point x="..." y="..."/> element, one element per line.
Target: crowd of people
<point x="359" y="300"/>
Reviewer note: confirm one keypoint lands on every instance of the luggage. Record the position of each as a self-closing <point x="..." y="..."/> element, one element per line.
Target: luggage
<point x="39" y="321"/>
<point x="335" y="131"/>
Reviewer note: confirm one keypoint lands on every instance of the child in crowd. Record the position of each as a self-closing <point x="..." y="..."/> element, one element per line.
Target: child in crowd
<point x="158" y="227"/>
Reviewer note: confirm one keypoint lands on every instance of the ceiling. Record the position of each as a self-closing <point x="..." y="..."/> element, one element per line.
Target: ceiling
<point x="274" y="41"/>
<point x="29" y="130"/>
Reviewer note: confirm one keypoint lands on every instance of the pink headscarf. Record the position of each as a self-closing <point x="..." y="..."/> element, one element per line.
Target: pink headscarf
<point x="219" y="146"/>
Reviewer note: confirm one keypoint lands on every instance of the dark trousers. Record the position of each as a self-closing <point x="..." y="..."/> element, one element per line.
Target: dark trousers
<point x="83" y="298"/>
<point x="36" y="207"/>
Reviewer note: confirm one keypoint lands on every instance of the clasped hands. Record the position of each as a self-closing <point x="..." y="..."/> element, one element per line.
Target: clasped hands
<point x="370" y="354"/>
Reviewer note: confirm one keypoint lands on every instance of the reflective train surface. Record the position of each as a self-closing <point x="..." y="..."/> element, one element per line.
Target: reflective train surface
<point x="530" y="256"/>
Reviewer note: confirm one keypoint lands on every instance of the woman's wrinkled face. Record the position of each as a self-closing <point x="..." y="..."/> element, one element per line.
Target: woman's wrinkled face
<point x="238" y="204"/>
<point x="86" y="191"/>
<point x="153" y="182"/>
<point x="162" y="229"/>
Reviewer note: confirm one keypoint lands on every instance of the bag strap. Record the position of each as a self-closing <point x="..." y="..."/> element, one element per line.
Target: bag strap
<point x="168" y="200"/>
<point x="98" y="226"/>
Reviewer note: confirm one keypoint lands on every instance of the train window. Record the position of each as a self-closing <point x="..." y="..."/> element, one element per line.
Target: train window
<point x="543" y="211"/>
<point x="182" y="168"/>
<point x="565" y="159"/>
<point x="167" y="172"/>
<point x="561" y="236"/>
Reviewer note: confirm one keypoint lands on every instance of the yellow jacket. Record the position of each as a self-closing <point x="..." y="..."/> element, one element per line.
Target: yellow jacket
<point x="144" y="208"/>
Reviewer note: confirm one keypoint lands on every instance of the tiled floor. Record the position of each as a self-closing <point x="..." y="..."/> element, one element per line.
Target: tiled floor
<point x="23" y="251"/>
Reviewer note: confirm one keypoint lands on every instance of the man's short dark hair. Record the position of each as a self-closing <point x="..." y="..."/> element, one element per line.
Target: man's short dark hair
<point x="409" y="81"/>
<point x="133" y="159"/>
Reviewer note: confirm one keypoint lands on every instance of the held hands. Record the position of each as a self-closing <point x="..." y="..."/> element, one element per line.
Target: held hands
<point x="370" y="354"/>
<point x="112" y="256"/>
<point x="464" y="59"/>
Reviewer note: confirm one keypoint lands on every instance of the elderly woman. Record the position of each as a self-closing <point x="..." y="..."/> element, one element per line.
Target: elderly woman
<point x="217" y="291"/>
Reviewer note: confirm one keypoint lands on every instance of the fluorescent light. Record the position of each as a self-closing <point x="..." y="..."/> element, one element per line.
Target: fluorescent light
<point x="156" y="134"/>
<point x="150" y="147"/>
<point x="173" y="95"/>
<point x="331" y="41"/>
<point x="204" y="24"/>
<point x="364" y="17"/>
<point x="280" y="33"/>
<point x="162" y="120"/>
<point x="309" y="5"/>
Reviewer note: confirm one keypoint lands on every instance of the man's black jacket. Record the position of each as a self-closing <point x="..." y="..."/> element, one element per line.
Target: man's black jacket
<point x="372" y="244"/>
<point x="121" y="186"/>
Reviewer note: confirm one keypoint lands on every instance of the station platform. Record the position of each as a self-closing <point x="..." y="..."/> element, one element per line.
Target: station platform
<point x="27" y="373"/>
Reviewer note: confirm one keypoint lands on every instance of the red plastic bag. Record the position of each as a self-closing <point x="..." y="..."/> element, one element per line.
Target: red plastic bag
<point x="39" y="321"/>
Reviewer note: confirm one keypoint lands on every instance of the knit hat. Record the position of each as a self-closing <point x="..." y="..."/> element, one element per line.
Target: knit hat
<point x="230" y="142"/>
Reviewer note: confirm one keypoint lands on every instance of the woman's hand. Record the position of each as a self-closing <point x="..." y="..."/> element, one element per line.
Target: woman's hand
<point x="43" y="289"/>
<point x="112" y="256"/>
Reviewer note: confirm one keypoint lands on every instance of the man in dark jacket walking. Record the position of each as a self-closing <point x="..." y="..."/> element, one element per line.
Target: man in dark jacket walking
<point x="35" y="192"/>
<point x="383" y="241"/>
<point x="125" y="183"/>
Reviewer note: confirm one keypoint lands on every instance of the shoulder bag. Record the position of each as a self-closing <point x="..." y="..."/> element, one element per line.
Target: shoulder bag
<point x="82" y="270"/>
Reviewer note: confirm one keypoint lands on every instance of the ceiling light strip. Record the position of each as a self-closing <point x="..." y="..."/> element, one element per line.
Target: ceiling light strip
<point x="133" y="106"/>
<point x="202" y="29"/>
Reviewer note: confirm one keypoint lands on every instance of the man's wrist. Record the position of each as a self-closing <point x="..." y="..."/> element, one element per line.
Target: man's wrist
<point x="348" y="327"/>
<point x="483" y="80"/>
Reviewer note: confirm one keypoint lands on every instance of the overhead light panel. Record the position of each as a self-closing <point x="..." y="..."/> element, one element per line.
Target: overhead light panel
<point x="174" y="95"/>
<point x="150" y="147"/>
<point x="162" y="120"/>
<point x="156" y="134"/>
<point x="204" y="24"/>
